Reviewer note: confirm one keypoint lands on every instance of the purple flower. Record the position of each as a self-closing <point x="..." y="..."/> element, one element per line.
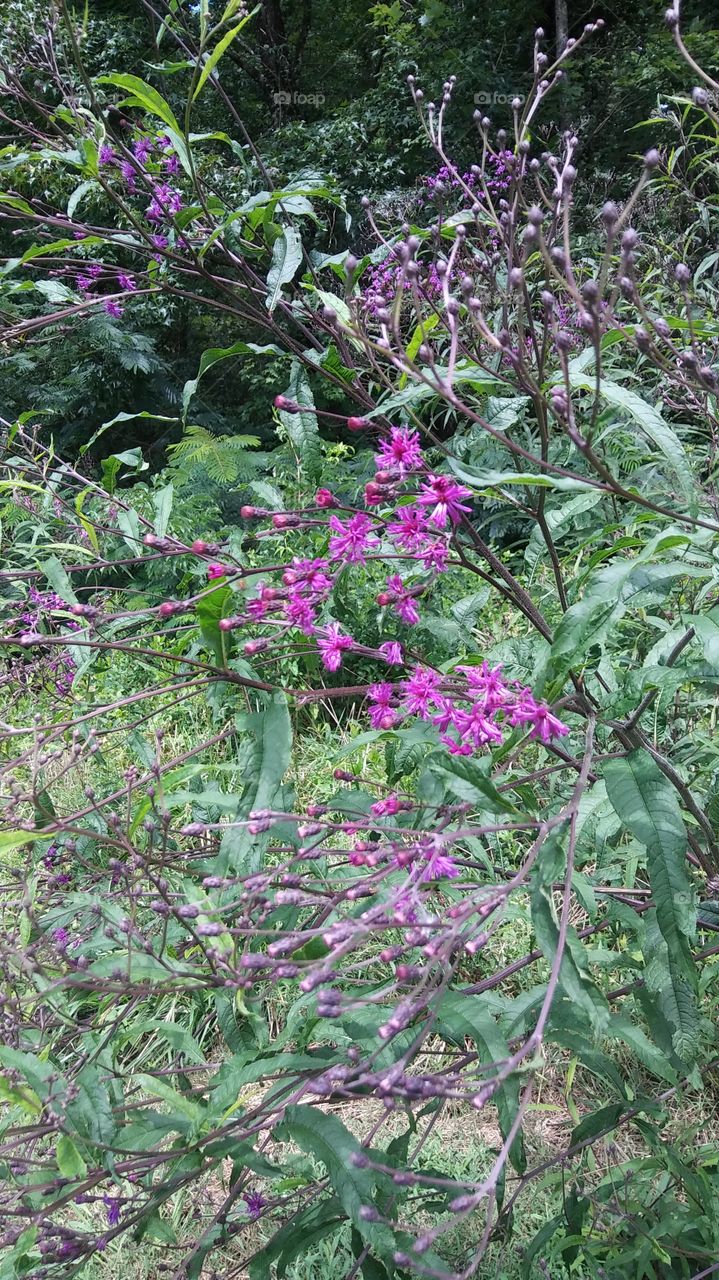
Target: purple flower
<point x="106" y="155"/>
<point x="545" y="725"/>
<point x="128" y="172"/>
<point x="382" y="714"/>
<point x="409" y="529"/>
<point x="300" y="613"/>
<point x="402" y="599"/>
<point x="166" y="202"/>
<point x="350" y="541"/>
<point x="392" y="653"/>
<point x="332" y="646"/>
<point x="420" y="691"/>
<point x="388" y="807"/>
<point x="308" y="575"/>
<point x="61" y="938"/>
<point x="171" y="164"/>
<point x="254" y="1204"/>
<point x="85" y="283"/>
<point x="95" y="270"/>
<point x="435" y="556"/>
<point x="126" y="282"/>
<point x="112" y="1204"/>
<point x="401" y="453"/>
<point x="113" y="308"/>
<point x="439" y="865"/>
<point x="143" y="149"/>
<point x="443" y="494"/>
<point x="475" y="726"/>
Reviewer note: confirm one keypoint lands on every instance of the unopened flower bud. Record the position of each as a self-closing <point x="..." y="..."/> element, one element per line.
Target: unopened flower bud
<point x="287" y="406"/>
<point x="357" y="424"/>
<point x="682" y="274"/>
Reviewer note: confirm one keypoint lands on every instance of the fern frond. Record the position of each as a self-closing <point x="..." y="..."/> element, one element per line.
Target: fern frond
<point x="224" y="458"/>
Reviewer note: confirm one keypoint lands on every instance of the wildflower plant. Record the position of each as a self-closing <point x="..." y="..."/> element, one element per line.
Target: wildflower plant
<point x="541" y="770"/>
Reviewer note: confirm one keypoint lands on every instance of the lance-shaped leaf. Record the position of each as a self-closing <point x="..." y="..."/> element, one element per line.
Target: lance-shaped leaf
<point x="647" y="805"/>
<point x="286" y="258"/>
<point x="463" y="1017"/>
<point x="302" y="427"/>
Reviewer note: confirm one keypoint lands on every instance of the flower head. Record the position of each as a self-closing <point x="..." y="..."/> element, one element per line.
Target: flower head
<point x="350" y="541"/>
<point x="402" y="599"/>
<point x="382" y="712"/>
<point x="401" y="452"/>
<point x="332" y="645"/>
<point x="420" y="691"/>
<point x="112" y="1204"/>
<point x="254" y="1202"/>
<point x="443" y="494"/>
<point x="392" y="653"/>
<point x="143" y="148"/>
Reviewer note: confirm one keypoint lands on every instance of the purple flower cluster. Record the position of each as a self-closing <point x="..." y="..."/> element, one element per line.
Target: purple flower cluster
<point x="471" y="707"/>
<point x="30" y="616"/>
<point x="449" y="179"/>
<point x="387" y="278"/>
<point x="416" y="514"/>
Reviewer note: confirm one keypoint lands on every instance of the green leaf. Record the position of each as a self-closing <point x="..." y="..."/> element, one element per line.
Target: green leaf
<point x="610" y="592"/>
<point x="112" y="466"/>
<point x="123" y="417"/>
<point x="311" y="1224"/>
<point x="652" y="424"/>
<point x="77" y="196"/>
<point x="162" y="502"/>
<point x="215" y="354"/>
<point x="286" y="258"/>
<point x="209" y="609"/>
<point x="145" y="96"/>
<point x="69" y="1161"/>
<point x="323" y="1136"/>
<point x="647" y="805"/>
<point x="218" y="51"/>
<point x="264" y="761"/>
<point x="58" y="579"/>
<point x="459" y="1017"/>
<point x="469" y="780"/>
<point x="302" y="427"/>
<point x="176" y="1101"/>
<point x="597" y="1122"/>
<point x="16" y="839"/>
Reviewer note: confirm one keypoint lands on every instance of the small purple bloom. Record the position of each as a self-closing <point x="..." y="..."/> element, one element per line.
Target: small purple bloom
<point x="112" y="1204"/>
<point x="332" y="646"/>
<point x="113" y="308"/>
<point x="392" y="653"/>
<point x="254" y="1204"/>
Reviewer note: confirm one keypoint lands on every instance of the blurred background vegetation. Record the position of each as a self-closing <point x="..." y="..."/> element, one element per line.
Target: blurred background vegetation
<point x="344" y="66"/>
